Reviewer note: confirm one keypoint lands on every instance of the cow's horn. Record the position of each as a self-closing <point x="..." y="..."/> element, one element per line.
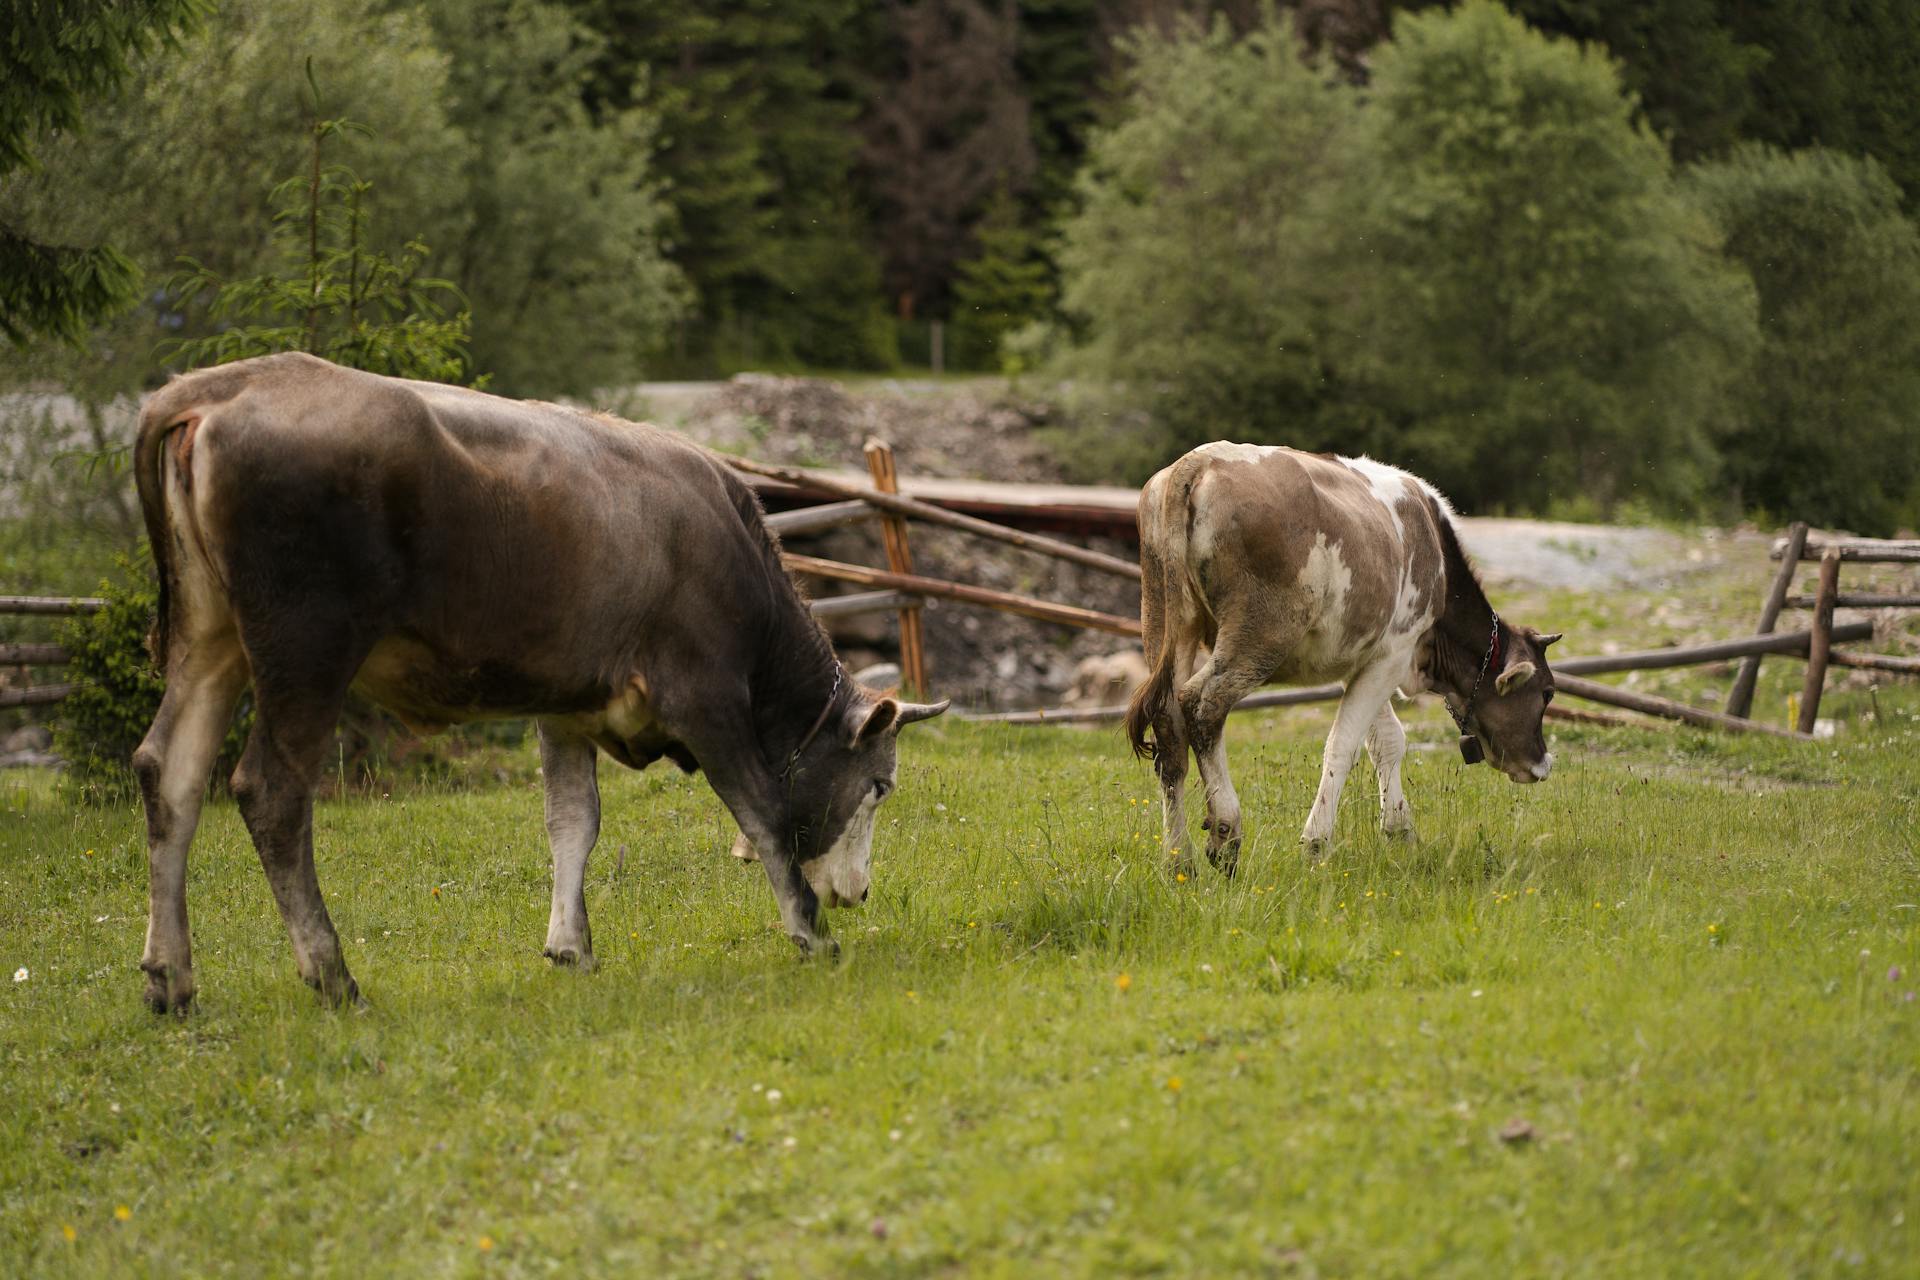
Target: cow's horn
<point x="911" y="711"/>
<point x="1544" y="641"/>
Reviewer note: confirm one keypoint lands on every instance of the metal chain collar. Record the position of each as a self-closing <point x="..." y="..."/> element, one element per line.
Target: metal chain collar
<point x="1469" y="745"/>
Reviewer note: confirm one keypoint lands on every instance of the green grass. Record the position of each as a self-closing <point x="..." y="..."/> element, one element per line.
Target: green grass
<point x="1039" y="1054"/>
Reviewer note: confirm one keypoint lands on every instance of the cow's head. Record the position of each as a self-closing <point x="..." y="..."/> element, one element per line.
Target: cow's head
<point x="837" y="784"/>
<point x="1506" y="717"/>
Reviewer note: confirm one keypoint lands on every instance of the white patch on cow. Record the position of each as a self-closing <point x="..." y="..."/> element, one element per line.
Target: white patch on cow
<point x="1389" y="484"/>
<point x="840" y="876"/>
<point x="1391" y="487"/>
<point x="1228" y="451"/>
<point x="1324" y="582"/>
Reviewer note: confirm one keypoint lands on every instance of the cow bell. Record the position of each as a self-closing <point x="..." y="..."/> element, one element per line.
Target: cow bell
<point x="1470" y="749"/>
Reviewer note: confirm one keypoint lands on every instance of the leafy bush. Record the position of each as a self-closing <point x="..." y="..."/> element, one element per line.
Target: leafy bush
<point x="1833" y="432"/>
<point x="116" y="689"/>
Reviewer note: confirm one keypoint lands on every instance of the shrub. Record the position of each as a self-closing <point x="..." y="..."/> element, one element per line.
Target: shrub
<point x="1833" y="431"/>
<point x="116" y="689"/>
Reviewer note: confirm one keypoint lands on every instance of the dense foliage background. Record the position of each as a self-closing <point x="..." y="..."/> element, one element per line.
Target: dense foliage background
<point x="1560" y="254"/>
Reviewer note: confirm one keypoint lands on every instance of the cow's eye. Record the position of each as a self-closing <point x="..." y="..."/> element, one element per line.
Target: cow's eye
<point x="1546" y="698"/>
<point x="880" y="788"/>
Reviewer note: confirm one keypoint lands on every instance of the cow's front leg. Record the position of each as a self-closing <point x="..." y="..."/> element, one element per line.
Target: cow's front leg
<point x="1387" y="747"/>
<point x="568" y="761"/>
<point x="799" y="905"/>
<point x="1365" y="695"/>
<point x="753" y="795"/>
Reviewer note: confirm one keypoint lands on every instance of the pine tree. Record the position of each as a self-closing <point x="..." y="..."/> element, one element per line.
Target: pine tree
<point x="57" y="55"/>
<point x="1007" y="284"/>
<point x="756" y="102"/>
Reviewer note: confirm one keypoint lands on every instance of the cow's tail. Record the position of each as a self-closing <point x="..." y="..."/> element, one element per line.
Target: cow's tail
<point x="164" y="411"/>
<point x="1164" y="517"/>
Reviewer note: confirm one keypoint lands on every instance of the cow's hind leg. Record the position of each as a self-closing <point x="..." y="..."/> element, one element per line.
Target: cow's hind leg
<point x="294" y="717"/>
<point x="172" y="763"/>
<point x="1366" y="694"/>
<point x="1205" y="701"/>
<point x="1387" y="747"/>
<point x="567" y="762"/>
<point x="1170" y="748"/>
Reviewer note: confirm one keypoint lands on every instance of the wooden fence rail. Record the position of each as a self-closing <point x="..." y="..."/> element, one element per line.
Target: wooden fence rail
<point x="1005" y="601"/>
<point x="34" y="695"/>
<point x="51" y="604"/>
<point x="1856" y="550"/>
<point x="901" y="505"/>
<point x="33" y="655"/>
<point x="1568" y="678"/>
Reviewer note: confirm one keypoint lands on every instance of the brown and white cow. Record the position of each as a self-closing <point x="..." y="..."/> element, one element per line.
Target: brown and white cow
<point x="1267" y="564"/>
<point x="455" y="556"/>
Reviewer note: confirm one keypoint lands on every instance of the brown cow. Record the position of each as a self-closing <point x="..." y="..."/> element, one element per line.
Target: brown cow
<point x="1306" y="568"/>
<point x="456" y="556"/>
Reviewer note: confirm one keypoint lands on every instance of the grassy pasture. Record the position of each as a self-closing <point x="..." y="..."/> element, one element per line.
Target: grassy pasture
<point x="1668" y="974"/>
<point x="1039" y="1054"/>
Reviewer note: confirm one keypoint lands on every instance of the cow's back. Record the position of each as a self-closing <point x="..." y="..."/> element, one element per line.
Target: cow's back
<point x="496" y="556"/>
<point x="1331" y="559"/>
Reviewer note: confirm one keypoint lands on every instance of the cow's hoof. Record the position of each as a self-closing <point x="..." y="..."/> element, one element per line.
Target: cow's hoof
<point x="169" y="991"/>
<point x="1404" y="834"/>
<point x="572" y="958"/>
<point x="822" y="945"/>
<point x="339" y="990"/>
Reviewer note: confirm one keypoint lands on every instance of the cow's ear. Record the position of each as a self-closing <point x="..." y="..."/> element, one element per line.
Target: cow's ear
<point x="1513" y="677"/>
<point x="911" y="711"/>
<point x="868" y="720"/>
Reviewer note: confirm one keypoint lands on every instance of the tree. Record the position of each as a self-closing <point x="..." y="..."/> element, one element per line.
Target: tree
<point x="558" y="243"/>
<point x="1691" y="70"/>
<point x="56" y="56"/>
<point x="181" y="165"/>
<point x="1008" y="283"/>
<point x="948" y="123"/>
<point x="1837" y="76"/>
<point x="547" y="218"/>
<point x="1518" y="287"/>
<point x="332" y="294"/>
<point x="1833" y="431"/>
<point x="1058" y="58"/>
<point x="755" y="102"/>
<point x="1189" y="268"/>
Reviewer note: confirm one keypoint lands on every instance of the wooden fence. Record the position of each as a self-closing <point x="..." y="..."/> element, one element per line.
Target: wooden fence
<point x="898" y="589"/>
<point x="40" y="655"/>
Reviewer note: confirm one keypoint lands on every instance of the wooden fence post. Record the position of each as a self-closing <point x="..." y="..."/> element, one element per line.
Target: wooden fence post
<point x="1740" y="701"/>
<point x="893" y="533"/>
<point x="1822" y="640"/>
